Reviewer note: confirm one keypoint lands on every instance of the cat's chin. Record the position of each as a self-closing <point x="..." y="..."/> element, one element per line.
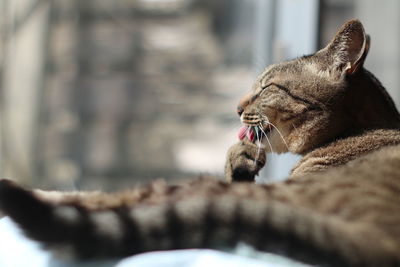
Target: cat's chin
<point x="274" y="142"/>
<point x="264" y="135"/>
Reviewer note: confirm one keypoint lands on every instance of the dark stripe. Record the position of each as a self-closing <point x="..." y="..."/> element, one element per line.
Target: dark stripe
<point x="87" y="242"/>
<point x="132" y="242"/>
<point x="175" y="227"/>
<point x="83" y="237"/>
<point x="287" y="91"/>
<point x="287" y="243"/>
<point x="267" y="238"/>
<point x="209" y="223"/>
<point x="238" y="226"/>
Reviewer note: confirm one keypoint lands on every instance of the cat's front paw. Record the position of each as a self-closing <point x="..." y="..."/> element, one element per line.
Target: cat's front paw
<point x="244" y="161"/>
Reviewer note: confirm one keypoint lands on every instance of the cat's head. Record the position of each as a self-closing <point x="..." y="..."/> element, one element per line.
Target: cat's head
<point x="303" y="103"/>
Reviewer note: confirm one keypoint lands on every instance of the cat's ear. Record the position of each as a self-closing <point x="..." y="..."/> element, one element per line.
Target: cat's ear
<point x="349" y="48"/>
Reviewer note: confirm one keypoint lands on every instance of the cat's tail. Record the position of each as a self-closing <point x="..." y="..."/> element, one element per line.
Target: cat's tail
<point x="195" y="221"/>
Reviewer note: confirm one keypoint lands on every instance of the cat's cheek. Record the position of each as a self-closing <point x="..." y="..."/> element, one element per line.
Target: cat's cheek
<point x="286" y="117"/>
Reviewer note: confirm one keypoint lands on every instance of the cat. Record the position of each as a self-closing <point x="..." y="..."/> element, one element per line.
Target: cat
<point x="326" y="107"/>
<point x="339" y="207"/>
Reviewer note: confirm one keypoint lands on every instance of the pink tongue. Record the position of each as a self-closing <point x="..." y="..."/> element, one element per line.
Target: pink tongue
<point x="243" y="132"/>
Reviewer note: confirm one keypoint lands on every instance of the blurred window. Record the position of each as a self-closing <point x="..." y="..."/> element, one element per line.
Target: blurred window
<point x="104" y="94"/>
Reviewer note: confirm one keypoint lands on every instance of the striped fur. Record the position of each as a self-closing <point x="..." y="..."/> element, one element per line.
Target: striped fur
<point x="339" y="207"/>
<point x="296" y="218"/>
<point x="326" y="107"/>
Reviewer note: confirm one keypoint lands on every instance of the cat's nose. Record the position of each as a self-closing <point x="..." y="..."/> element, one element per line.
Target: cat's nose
<point x="243" y="103"/>
<point x="239" y="110"/>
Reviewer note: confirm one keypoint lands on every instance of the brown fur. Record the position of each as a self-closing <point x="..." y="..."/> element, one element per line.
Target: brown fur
<point x="340" y="207"/>
<point x="326" y="106"/>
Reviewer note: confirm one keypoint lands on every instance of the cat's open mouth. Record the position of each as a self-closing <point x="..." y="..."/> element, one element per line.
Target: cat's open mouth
<point x="254" y="133"/>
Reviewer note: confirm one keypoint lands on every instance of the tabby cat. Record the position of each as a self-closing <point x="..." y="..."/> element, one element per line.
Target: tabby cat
<point x="340" y="205"/>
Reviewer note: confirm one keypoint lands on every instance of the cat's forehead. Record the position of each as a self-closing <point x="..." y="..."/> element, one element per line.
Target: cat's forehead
<point x="284" y="70"/>
<point x="302" y="69"/>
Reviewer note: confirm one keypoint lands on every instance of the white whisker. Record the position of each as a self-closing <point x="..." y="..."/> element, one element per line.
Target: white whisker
<point x="247" y="130"/>
<point x="279" y="132"/>
<point x="259" y="146"/>
<point x="266" y="137"/>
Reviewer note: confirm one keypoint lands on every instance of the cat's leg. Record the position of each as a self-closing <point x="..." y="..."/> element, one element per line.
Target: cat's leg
<point x="244" y="161"/>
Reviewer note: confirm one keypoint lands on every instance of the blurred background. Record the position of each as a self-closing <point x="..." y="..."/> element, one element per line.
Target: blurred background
<point x="101" y="94"/>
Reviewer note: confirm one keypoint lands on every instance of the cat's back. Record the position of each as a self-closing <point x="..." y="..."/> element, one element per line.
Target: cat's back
<point x="366" y="188"/>
<point x="346" y="150"/>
